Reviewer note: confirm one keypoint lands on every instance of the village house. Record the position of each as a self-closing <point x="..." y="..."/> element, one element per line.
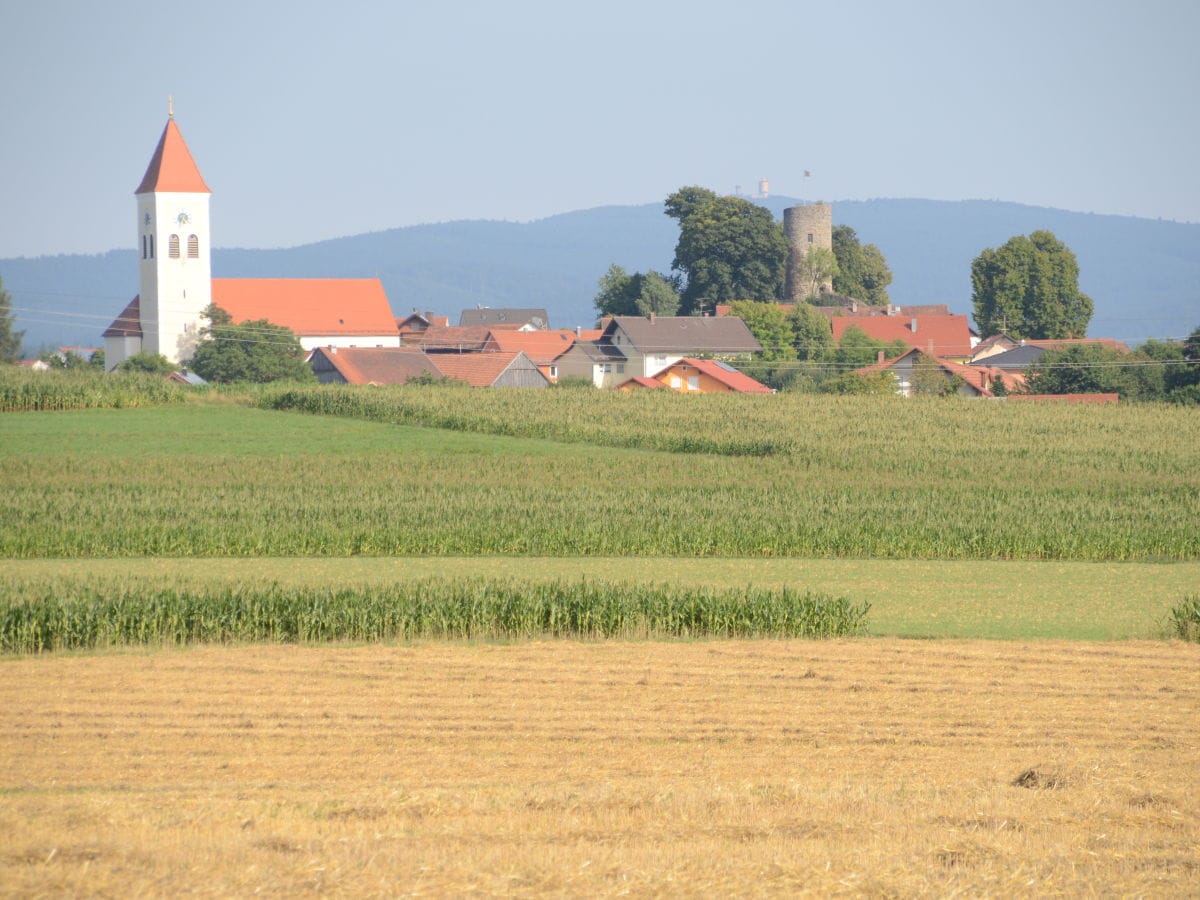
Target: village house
<point x="370" y="365"/>
<point x="969" y="381"/>
<point x="703" y="376"/>
<point x="636" y="346"/>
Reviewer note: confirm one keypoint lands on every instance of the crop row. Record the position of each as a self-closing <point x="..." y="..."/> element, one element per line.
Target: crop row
<point x="75" y="615"/>
<point x="28" y="391"/>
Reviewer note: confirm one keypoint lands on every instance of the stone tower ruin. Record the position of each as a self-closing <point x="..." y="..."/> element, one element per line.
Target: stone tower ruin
<point x="806" y="226"/>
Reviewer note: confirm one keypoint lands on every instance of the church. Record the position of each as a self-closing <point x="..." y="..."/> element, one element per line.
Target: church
<point x="176" y="284"/>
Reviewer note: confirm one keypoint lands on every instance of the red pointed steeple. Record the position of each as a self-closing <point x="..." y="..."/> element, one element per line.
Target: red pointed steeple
<point x="172" y="168"/>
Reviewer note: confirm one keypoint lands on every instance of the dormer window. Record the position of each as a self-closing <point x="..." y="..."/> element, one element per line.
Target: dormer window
<point x="193" y="247"/>
<point x="173" y="246"/>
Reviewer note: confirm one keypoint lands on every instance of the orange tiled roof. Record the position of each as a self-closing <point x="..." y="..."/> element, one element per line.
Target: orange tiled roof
<point x="722" y="372"/>
<point x="640" y="381"/>
<point x="543" y="347"/>
<point x="936" y="335"/>
<point x="309" y="306"/>
<point x="377" y="365"/>
<point x="476" y="369"/>
<point x="172" y="168"/>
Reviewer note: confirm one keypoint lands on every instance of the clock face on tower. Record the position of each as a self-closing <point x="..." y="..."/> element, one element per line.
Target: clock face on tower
<point x="183" y="218"/>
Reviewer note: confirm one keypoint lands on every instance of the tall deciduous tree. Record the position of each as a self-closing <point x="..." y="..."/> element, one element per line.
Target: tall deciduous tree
<point x="10" y="341"/>
<point x="625" y="294"/>
<point x="728" y="248"/>
<point x="814" y="269"/>
<point x="250" y="351"/>
<point x="769" y="325"/>
<point x="1029" y="288"/>
<point x="862" y="272"/>
<point x="812" y="333"/>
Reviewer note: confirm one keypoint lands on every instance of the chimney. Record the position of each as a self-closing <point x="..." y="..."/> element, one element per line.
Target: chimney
<point x="651" y="318"/>
<point x="879" y="358"/>
<point x="578" y="331"/>
<point x="913" y="326"/>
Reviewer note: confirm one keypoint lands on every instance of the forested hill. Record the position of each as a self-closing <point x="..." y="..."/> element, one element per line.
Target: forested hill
<point x="1144" y="275"/>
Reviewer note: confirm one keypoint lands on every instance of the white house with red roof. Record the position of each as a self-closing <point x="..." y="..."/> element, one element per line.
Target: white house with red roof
<point x="176" y="283"/>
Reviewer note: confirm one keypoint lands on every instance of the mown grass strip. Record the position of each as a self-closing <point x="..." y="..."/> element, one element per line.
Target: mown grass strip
<point x="70" y="615"/>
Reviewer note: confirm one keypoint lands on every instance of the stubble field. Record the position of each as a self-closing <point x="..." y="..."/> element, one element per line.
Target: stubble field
<point x="863" y="766"/>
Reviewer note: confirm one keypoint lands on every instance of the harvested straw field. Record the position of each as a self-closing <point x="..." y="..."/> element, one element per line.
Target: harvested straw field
<point x="772" y="767"/>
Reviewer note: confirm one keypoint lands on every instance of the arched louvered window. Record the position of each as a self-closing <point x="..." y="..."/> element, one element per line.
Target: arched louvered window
<point x="152" y="246"/>
<point x="143" y="246"/>
<point x="193" y="247"/>
<point x="173" y="246"/>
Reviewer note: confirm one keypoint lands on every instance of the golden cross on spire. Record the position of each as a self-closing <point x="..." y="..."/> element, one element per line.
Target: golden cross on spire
<point x="170" y="107"/>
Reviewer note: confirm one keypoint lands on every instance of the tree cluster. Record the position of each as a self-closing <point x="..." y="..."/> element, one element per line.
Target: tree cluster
<point x="799" y="353"/>
<point x="256" y="351"/>
<point x="1029" y="288"/>
<point x="1157" y="370"/>
<point x="728" y="248"/>
<point x="625" y="294"/>
<point x="862" y="272"/>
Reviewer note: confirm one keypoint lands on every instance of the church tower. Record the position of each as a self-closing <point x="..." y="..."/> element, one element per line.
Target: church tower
<point x="174" y="246"/>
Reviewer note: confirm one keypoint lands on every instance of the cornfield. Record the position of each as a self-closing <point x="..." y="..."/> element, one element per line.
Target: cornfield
<point x="24" y="391"/>
<point x="66" y="615"/>
<point x="952" y="480"/>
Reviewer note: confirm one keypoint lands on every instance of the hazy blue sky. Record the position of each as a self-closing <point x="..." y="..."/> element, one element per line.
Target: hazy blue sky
<point x="313" y="119"/>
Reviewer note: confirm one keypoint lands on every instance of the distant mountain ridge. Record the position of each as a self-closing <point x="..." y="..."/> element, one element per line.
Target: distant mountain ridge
<point x="1143" y="274"/>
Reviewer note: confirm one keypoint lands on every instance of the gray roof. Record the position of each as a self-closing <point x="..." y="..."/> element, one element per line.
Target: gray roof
<point x="1016" y="360"/>
<point x="598" y="352"/>
<point x="486" y="315"/>
<point x="684" y="334"/>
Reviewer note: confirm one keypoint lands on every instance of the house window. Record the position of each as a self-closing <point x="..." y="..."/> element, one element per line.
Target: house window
<point x="173" y="246"/>
<point x="693" y="382"/>
<point x="554" y="371"/>
<point x="193" y="247"/>
<point x="620" y="368"/>
<point x="676" y="383"/>
<point x="607" y="368"/>
<point x="810" y="237"/>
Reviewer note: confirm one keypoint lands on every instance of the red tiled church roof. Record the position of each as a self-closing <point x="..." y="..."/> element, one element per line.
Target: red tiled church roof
<point x="309" y="306"/>
<point x="172" y="168"/>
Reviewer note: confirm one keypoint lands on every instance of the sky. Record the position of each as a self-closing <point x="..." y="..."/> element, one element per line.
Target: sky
<point x="312" y="120"/>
